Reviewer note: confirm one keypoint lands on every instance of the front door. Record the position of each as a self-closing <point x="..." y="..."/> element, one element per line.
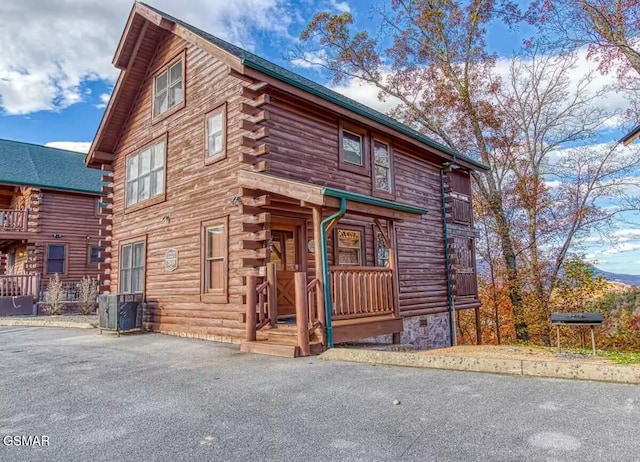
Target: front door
<point x="287" y="255"/>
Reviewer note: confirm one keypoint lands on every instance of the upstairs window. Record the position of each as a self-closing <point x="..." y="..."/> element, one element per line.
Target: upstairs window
<point x="382" y="166"/>
<point x="216" y="134"/>
<point x="168" y="89"/>
<point x="145" y="173"/>
<point x="354" y="149"/>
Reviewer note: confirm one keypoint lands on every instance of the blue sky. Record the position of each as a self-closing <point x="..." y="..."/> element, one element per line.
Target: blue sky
<point x="56" y="73"/>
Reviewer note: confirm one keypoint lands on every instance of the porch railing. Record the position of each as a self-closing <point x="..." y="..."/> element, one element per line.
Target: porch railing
<point x="312" y="305"/>
<point x="261" y="305"/>
<point x="13" y="220"/>
<point x="14" y="285"/>
<point x="359" y="292"/>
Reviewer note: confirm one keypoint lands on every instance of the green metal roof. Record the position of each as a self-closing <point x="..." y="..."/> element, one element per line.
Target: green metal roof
<point x="24" y="164"/>
<point x="361" y="198"/>
<point x="278" y="72"/>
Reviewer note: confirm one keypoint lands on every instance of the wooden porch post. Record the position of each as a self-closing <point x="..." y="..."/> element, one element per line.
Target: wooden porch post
<point x="317" y="239"/>
<point x="478" y="329"/>
<point x="252" y="297"/>
<point x="302" y="313"/>
<point x="393" y="266"/>
<point x="272" y="293"/>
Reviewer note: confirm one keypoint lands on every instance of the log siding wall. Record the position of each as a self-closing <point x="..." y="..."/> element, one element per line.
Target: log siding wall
<point x="196" y="192"/>
<point x="302" y="144"/>
<point x="305" y="147"/>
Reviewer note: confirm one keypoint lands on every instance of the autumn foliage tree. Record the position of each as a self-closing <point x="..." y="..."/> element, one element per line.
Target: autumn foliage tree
<point x="437" y="65"/>
<point x="609" y="28"/>
<point x="536" y="197"/>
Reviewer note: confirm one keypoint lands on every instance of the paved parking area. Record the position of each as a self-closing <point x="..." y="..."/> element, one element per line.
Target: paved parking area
<point x="158" y="398"/>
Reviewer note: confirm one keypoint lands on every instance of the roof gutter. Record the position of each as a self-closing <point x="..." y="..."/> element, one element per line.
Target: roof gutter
<point x="325" y="267"/>
<point x="361" y="198"/>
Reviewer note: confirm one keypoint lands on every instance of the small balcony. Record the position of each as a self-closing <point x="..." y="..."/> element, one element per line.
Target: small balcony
<point x="13" y="221"/>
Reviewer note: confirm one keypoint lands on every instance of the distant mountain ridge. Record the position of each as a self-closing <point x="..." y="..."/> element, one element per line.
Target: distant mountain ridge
<point x="631" y="279"/>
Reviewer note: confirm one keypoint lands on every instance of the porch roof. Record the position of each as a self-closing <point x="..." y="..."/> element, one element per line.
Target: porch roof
<point x="312" y="194"/>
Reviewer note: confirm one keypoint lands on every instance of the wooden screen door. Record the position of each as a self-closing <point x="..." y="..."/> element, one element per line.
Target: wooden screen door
<point x="287" y="255"/>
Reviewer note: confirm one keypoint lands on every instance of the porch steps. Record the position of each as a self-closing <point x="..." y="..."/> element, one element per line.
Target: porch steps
<point x="280" y="341"/>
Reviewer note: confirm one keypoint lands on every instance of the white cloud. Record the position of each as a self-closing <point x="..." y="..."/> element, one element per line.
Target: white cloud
<point x="104" y="100"/>
<point x="342" y="7"/>
<point x="78" y="146"/>
<point x="50" y="49"/>
<point x="621" y="248"/>
<point x="367" y="94"/>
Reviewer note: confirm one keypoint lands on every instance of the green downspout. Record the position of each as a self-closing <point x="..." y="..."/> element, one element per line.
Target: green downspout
<point x="446" y="257"/>
<point x="325" y="267"/>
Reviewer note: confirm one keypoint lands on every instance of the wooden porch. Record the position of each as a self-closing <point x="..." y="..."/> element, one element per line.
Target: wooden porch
<point x="362" y="300"/>
<point x="330" y="303"/>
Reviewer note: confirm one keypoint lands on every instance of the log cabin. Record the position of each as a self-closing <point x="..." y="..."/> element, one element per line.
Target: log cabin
<point x="251" y="205"/>
<point x="49" y="222"/>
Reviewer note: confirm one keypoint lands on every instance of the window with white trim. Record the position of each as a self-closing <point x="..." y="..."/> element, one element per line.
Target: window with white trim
<point x="215" y="259"/>
<point x="216" y="134"/>
<point x="145" y="173"/>
<point x="168" y="89"/>
<point x="132" y="267"/>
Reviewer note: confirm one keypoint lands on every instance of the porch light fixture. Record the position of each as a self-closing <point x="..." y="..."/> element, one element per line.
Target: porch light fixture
<point x="166" y="219"/>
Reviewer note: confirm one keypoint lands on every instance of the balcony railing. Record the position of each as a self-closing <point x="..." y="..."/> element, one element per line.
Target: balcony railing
<point x="12" y="220"/>
<point x="359" y="291"/>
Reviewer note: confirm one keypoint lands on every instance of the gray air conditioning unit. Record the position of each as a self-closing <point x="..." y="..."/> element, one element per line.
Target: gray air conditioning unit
<point x="120" y="312"/>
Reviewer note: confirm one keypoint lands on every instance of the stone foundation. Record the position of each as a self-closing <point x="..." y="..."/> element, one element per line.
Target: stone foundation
<point x="427" y="332"/>
<point x="422" y="332"/>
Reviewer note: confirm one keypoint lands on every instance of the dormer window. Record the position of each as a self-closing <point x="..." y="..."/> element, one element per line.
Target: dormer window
<point x="168" y="89"/>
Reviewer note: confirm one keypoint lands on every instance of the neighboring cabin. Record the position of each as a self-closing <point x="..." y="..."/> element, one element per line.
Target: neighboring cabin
<point x="243" y="196"/>
<point x="49" y="221"/>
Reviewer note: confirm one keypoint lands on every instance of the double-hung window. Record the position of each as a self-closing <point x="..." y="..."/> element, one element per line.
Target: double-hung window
<point x="56" y="258"/>
<point x="145" y="173"/>
<point x="216" y="134"/>
<point x="132" y="267"/>
<point x="168" y="89"/>
<point x="382" y="166"/>
<point x="215" y="260"/>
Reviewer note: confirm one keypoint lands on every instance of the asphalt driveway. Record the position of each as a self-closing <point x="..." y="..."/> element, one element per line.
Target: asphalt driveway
<point x="158" y="398"/>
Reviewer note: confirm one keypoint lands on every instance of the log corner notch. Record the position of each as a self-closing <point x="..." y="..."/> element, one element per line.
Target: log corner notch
<point x="105" y="220"/>
<point x="254" y="121"/>
<point x="257" y="226"/>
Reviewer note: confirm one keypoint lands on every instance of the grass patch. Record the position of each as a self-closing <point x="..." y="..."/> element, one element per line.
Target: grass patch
<point x="619" y="357"/>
